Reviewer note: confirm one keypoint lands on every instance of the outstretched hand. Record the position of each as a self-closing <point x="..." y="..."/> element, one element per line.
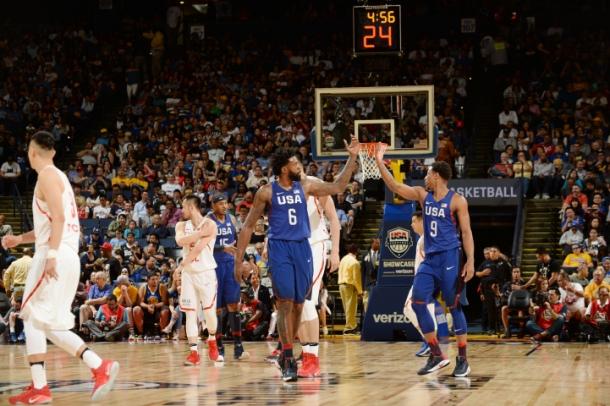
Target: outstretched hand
<point x="354" y="146"/>
<point x="380" y="151"/>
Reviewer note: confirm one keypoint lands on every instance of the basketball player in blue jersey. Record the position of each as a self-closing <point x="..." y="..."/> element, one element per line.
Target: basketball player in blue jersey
<point x="290" y="258"/>
<point x="440" y="268"/>
<point x="228" y="288"/>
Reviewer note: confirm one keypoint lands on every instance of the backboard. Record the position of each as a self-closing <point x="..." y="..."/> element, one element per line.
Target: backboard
<point x="400" y="116"/>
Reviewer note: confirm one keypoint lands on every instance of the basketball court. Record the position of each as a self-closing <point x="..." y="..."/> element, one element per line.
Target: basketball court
<point x="352" y="371"/>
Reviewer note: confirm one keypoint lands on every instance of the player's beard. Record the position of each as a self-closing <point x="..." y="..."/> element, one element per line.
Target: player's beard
<point x="295" y="177"/>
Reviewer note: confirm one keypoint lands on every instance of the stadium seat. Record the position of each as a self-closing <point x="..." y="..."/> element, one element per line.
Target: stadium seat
<point x="168" y="243"/>
<point x="89" y="223"/>
<point x="104" y="223"/>
<point x="519" y="300"/>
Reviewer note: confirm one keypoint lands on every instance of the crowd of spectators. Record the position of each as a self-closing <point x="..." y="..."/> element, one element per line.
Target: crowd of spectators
<point x="553" y="126"/>
<point x="48" y="81"/>
<point x="562" y="303"/>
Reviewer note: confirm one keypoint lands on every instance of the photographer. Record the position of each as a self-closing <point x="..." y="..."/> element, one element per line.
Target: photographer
<point x="550" y="318"/>
<point x="252" y="312"/>
<point x="110" y="322"/>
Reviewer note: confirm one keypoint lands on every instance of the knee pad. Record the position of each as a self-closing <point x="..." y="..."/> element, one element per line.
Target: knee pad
<point x="309" y="311"/>
<point x="424" y="318"/>
<point x="459" y="320"/>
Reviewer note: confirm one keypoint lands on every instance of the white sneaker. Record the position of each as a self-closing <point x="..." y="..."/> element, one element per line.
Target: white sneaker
<point x="538" y="197"/>
<point x="325" y="331"/>
<point x="546" y="196"/>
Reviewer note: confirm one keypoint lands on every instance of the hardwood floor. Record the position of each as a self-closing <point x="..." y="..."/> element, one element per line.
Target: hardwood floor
<point x="353" y="372"/>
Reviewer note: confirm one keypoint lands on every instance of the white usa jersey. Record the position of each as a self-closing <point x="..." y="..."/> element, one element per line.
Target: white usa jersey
<point x="317" y="222"/>
<point x="419" y="254"/>
<point x="42" y="217"/>
<point x="205" y="260"/>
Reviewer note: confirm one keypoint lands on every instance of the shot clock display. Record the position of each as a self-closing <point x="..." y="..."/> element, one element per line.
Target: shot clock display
<point x="377" y="29"/>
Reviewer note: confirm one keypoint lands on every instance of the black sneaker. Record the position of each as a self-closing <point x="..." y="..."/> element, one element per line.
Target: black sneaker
<point x="221" y="350"/>
<point x="434" y="364"/>
<point x="462" y="369"/>
<point x="289" y="370"/>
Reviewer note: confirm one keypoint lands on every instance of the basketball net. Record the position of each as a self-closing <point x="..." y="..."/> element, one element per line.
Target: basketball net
<point x="369" y="167"/>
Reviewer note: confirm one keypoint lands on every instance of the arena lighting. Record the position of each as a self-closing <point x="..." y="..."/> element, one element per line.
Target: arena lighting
<point x="201" y="7"/>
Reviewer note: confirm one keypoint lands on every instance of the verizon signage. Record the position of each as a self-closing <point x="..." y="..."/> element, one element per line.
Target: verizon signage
<point x="485" y="192"/>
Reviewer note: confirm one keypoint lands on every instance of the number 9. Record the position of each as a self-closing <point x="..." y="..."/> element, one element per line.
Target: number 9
<point x="433" y="229"/>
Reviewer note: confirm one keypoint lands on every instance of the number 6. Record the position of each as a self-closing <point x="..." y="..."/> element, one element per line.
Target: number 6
<point x="292" y="217"/>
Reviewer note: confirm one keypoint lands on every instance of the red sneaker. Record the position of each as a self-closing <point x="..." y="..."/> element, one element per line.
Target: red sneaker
<point x="104" y="377"/>
<point x="213" y="353"/>
<point x="193" y="359"/>
<point x="311" y="366"/>
<point x="32" y="396"/>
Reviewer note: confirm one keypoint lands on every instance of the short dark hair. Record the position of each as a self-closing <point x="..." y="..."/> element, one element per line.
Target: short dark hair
<point x="194" y="200"/>
<point x="443" y="169"/>
<point x="44" y="140"/>
<point x="352" y="249"/>
<point x="417" y="214"/>
<point x="279" y="160"/>
<point x="111" y="297"/>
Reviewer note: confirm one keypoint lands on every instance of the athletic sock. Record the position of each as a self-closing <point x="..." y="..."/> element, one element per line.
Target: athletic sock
<point x="212" y="337"/>
<point x="313" y="348"/>
<point x="435" y="349"/>
<point x="194" y="348"/>
<point x="90" y="358"/>
<point x="39" y="375"/>
<point x="305" y="348"/>
<point x="288" y="350"/>
<point x="235" y="323"/>
<point x="462" y="349"/>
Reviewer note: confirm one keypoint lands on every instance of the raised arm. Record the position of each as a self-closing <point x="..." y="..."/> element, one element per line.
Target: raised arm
<point x="261" y="199"/>
<point x="461" y="206"/>
<point x="335" y="230"/>
<point x="416" y="193"/>
<point x="339" y="185"/>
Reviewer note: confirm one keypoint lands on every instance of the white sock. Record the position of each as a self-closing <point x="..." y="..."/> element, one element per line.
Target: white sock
<point x="305" y="348"/>
<point x="194" y="348"/>
<point x="92" y="360"/>
<point x="39" y="375"/>
<point x="212" y="336"/>
<point x="313" y="349"/>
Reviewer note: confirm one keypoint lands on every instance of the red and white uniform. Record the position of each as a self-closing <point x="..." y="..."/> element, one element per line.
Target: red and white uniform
<point x="319" y="244"/>
<point x="199" y="277"/>
<point x="47" y="303"/>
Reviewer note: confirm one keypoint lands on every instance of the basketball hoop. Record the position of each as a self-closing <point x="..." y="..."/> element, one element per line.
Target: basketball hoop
<point x="367" y="160"/>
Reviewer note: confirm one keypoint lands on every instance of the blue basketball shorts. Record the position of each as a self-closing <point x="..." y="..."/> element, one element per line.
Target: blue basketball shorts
<point x="228" y="288"/>
<point x="291" y="267"/>
<point x="440" y="271"/>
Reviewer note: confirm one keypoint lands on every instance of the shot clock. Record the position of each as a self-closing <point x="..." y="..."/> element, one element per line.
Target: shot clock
<point x="377" y="29"/>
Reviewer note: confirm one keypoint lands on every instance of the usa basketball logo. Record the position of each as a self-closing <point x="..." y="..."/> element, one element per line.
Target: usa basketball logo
<point x="398" y="240"/>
